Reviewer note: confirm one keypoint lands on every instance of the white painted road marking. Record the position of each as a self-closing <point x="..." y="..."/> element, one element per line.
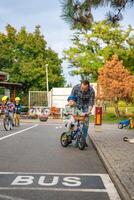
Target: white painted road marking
<point x="28" y="180"/>
<point x="69" y="182"/>
<point x="9" y="197"/>
<point x="7" y="136"/>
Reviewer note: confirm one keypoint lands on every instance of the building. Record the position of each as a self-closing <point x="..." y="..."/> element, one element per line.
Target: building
<point x="7" y="88"/>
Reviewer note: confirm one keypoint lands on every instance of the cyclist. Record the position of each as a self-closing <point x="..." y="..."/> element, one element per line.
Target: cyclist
<point x="17" y="110"/>
<point x="8" y="107"/>
<point x="68" y="112"/>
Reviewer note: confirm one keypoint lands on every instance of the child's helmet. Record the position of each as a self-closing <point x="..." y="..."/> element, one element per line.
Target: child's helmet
<point x="71" y="97"/>
<point x="4" y="98"/>
<point x="17" y="99"/>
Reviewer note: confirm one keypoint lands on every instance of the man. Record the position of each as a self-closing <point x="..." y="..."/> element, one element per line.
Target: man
<point x="69" y="110"/>
<point x="85" y="101"/>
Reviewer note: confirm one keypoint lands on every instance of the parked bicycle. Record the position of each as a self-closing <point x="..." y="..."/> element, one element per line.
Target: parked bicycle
<point x="127" y="123"/>
<point x="75" y="134"/>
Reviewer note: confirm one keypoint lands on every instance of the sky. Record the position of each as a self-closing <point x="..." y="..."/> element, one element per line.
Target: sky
<point x="46" y="13"/>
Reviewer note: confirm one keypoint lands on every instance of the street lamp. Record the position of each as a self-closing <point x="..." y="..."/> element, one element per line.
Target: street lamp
<point x="47" y="83"/>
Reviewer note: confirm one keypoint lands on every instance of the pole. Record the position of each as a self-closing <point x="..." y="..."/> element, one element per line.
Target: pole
<point x="47" y="83"/>
<point x="29" y="99"/>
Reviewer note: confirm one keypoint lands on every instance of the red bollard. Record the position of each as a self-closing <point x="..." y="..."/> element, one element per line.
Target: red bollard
<point x="98" y="115"/>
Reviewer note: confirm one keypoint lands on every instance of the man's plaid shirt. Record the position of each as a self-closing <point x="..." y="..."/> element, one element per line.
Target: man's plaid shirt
<point x="84" y="99"/>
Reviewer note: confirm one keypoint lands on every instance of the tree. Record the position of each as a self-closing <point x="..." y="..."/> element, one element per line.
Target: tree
<point x="115" y="83"/>
<point x="78" y="12"/>
<point x="24" y="56"/>
<point x="91" y="49"/>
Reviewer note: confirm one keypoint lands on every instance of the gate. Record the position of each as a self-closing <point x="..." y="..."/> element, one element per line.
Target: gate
<point x="38" y="99"/>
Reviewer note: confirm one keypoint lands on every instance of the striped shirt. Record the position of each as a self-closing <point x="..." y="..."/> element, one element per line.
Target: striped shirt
<point x="84" y="99"/>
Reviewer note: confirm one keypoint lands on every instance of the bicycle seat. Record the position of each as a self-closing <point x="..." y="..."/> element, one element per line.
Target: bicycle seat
<point x="79" y="118"/>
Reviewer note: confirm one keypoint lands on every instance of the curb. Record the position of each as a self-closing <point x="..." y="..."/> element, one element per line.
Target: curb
<point x="114" y="177"/>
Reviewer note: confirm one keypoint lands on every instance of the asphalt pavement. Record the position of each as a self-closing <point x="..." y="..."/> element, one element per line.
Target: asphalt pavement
<point x="34" y="166"/>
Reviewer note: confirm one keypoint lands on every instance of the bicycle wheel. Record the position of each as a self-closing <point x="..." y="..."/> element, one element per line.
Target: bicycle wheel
<point x="64" y="139"/>
<point x="81" y="142"/>
<point x="7" y="124"/>
<point x="120" y="126"/>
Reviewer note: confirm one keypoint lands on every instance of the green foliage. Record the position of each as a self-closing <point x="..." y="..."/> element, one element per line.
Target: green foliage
<point x="78" y="13"/>
<point x="92" y="48"/>
<point x="24" y="56"/>
<point x="112" y="118"/>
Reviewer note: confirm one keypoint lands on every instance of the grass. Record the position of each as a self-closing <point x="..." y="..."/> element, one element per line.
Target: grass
<point x="110" y="117"/>
<point x="122" y="109"/>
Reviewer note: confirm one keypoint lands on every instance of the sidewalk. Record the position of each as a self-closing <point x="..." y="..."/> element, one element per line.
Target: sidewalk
<point x="117" y="156"/>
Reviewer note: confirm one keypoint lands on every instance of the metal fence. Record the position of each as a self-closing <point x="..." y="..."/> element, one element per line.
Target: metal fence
<point x="38" y="99"/>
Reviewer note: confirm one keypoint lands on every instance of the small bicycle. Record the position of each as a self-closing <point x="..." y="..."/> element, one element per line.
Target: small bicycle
<point x="75" y="135"/>
<point x="127" y="123"/>
<point x="7" y="122"/>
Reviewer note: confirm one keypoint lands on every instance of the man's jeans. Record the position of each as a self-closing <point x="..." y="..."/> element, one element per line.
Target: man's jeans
<point x="85" y="127"/>
<point x="86" y="123"/>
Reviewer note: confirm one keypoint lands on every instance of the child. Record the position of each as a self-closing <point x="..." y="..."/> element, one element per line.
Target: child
<point x="68" y="112"/>
<point x="18" y="106"/>
<point x="17" y="110"/>
<point x="7" y="107"/>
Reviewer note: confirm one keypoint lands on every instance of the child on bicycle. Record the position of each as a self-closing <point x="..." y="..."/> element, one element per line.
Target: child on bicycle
<point x="69" y="111"/>
<point x="7" y="107"/>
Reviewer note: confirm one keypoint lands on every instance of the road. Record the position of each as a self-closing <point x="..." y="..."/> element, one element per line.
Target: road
<point x="34" y="166"/>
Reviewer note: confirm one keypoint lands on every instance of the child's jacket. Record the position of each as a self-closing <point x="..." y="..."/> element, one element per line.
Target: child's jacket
<point x="68" y="110"/>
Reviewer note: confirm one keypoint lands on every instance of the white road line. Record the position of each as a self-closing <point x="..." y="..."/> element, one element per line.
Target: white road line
<point x="53" y="189"/>
<point x="7" y="136"/>
<point x="49" y="173"/>
<point x="9" y="197"/>
<point x="53" y="124"/>
<point x="110" y="188"/>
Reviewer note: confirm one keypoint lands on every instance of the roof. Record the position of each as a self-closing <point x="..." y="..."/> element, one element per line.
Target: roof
<point x="9" y="84"/>
<point x="3" y="73"/>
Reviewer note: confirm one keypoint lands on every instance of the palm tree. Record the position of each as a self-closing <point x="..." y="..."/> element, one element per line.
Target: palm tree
<point x="78" y="12"/>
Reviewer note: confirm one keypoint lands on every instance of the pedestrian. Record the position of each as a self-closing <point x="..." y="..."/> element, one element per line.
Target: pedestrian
<point x="85" y="95"/>
<point x="17" y="105"/>
<point x="17" y="111"/>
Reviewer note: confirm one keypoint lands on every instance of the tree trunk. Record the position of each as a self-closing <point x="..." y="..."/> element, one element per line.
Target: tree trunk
<point x="126" y="109"/>
<point x="117" y="112"/>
